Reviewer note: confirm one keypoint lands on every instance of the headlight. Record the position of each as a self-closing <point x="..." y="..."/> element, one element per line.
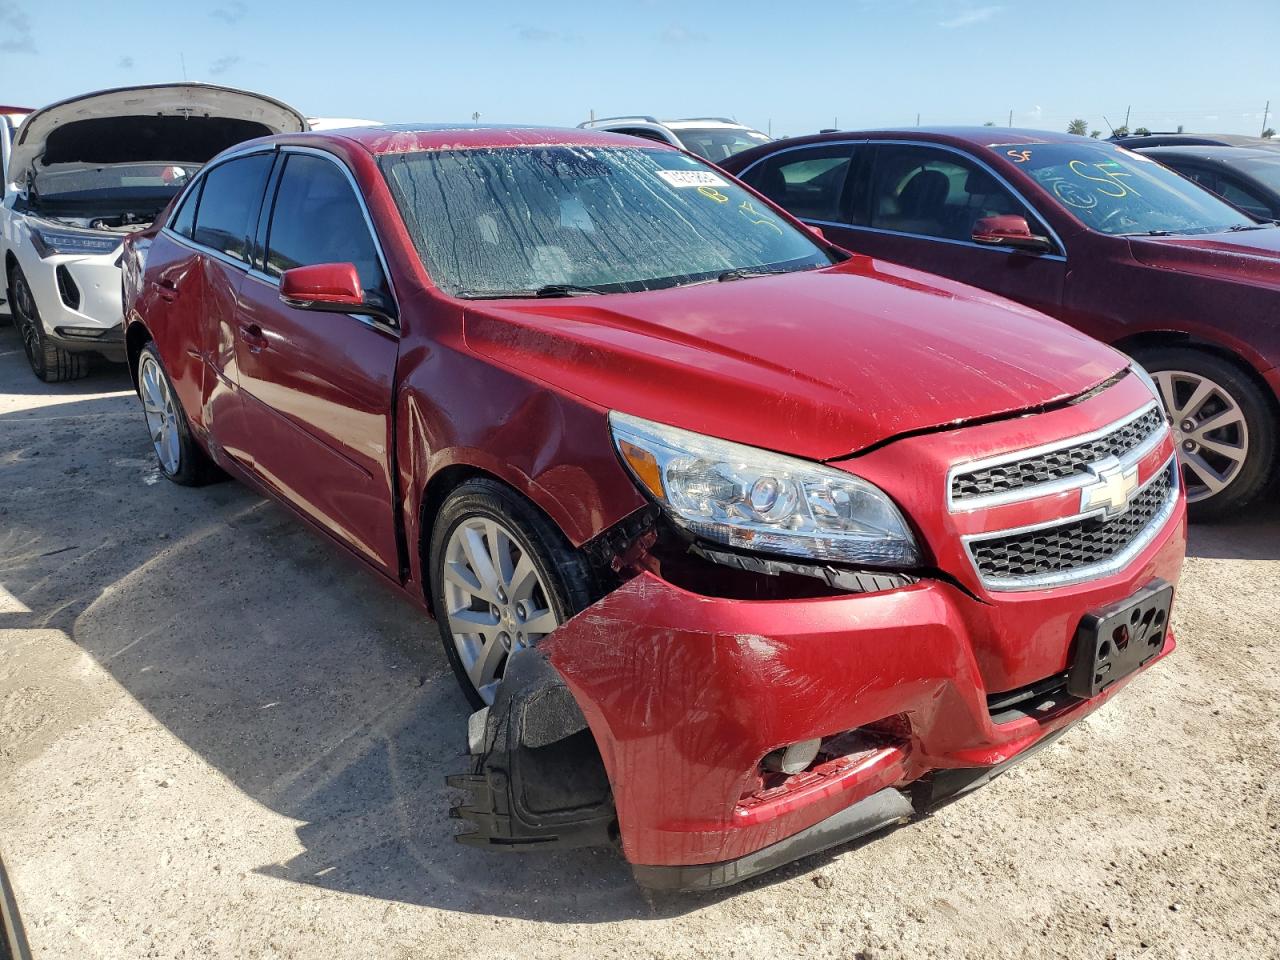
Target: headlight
<point x="49" y="242"/>
<point x="1146" y="378"/>
<point x="749" y="498"/>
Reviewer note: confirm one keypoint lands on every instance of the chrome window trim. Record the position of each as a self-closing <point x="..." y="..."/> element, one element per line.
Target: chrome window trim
<point x="1058" y="254"/>
<point x="1093" y="571"/>
<point x="1035" y="491"/>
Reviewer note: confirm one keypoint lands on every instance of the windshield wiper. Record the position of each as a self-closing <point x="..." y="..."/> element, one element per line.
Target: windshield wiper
<point x="744" y="273"/>
<point x="546" y="290"/>
<point x="1237" y="228"/>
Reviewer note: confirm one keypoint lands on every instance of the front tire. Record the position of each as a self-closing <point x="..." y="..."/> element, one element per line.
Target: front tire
<point x="1224" y="426"/>
<point x="49" y="362"/>
<point x="502" y="577"/>
<point x="178" y="455"/>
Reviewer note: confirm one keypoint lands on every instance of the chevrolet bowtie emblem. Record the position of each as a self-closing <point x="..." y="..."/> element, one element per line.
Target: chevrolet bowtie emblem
<point x="1112" y="486"/>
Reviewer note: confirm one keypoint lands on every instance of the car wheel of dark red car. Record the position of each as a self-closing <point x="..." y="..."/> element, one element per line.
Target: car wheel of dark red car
<point x="503" y="577"/>
<point x="178" y="455"/>
<point x="1225" y="431"/>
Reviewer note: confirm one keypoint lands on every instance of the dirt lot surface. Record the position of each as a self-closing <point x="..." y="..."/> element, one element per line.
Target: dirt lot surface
<point x="219" y="738"/>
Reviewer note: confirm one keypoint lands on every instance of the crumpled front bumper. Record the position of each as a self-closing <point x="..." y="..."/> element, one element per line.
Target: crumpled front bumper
<point x="684" y="694"/>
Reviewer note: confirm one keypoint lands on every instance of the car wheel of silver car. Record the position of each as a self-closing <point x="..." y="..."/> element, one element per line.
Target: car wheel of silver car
<point x="503" y="577"/>
<point x="50" y="363"/>
<point x="1224" y="429"/>
<point x="180" y="458"/>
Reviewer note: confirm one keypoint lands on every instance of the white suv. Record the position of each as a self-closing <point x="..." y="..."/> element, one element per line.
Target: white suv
<point x="10" y="119"/>
<point x="712" y="138"/>
<point x="82" y="175"/>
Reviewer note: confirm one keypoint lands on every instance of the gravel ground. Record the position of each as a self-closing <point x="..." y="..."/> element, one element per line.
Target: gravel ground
<point x="219" y="738"/>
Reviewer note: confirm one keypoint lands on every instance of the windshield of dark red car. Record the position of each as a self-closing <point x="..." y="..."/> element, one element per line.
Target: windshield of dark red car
<point x="518" y="219"/>
<point x="1121" y="193"/>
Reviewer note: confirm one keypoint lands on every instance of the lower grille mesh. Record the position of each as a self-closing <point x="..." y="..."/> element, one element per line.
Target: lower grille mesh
<point x="1072" y="545"/>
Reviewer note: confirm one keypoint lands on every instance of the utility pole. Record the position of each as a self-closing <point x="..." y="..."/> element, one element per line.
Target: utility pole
<point x="593" y="115"/>
<point x="917" y="119"/>
<point x="475" y="117"/>
<point x="1266" y="113"/>
<point x="1126" y="116"/>
<point x="769" y="126"/>
<point x="1011" y="118"/>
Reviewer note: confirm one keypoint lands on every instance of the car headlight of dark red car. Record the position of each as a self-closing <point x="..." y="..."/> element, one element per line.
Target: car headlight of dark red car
<point x="756" y="500"/>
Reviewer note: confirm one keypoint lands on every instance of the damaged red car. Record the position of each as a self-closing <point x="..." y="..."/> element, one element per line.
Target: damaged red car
<point x="740" y="546"/>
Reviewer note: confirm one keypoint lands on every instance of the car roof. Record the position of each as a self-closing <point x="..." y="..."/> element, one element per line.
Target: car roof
<point x="968" y="136"/>
<point x="416" y="137"/>
<point x="1218" y="154"/>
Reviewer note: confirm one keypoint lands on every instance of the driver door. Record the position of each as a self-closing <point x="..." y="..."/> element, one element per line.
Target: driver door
<point x="317" y="388"/>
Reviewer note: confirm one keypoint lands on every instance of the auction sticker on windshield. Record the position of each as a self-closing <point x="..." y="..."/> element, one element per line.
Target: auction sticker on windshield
<point x="691" y="178"/>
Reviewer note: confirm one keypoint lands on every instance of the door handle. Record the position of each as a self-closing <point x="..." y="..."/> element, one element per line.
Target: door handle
<point x="168" y="290"/>
<point x="252" y="335"/>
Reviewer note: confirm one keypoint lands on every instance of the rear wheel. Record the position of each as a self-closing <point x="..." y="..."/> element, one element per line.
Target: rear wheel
<point x="502" y="578"/>
<point x="49" y="362"/>
<point x="1224" y="427"/>
<point x="179" y="456"/>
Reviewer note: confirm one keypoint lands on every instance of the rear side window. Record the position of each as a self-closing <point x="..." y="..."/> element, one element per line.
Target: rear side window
<point x="184" y="219"/>
<point x="808" y="182"/>
<point x="317" y="219"/>
<point x="229" y="204"/>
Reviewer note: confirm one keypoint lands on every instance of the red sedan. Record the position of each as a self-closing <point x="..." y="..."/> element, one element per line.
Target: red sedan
<point x="1104" y="239"/>
<point x="740" y="546"/>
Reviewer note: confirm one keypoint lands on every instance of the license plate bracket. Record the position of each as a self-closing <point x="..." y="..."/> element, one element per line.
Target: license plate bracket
<point x="1114" y="642"/>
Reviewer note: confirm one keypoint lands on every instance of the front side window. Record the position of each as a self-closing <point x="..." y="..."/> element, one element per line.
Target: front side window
<point x="1117" y="192"/>
<point x="934" y="193"/>
<point x="229" y="202"/>
<point x="317" y="219"/>
<point x="515" y="220"/>
<point x="808" y="182"/>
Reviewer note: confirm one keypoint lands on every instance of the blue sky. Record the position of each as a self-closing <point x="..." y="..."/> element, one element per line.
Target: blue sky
<point x="795" y="66"/>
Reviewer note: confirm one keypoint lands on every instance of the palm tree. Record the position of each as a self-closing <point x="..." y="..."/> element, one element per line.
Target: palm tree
<point x="1079" y="127"/>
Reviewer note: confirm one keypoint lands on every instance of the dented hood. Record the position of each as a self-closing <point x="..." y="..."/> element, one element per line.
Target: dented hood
<point x="1248" y="255"/>
<point x="163" y="122"/>
<point x="819" y="364"/>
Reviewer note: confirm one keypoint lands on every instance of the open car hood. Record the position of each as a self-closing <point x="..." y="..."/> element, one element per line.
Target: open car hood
<point x="177" y="122"/>
<point x="819" y="364"/>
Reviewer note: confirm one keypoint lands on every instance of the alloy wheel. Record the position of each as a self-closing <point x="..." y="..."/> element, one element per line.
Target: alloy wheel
<point x="496" y="601"/>
<point x="1210" y="428"/>
<point x="161" y="413"/>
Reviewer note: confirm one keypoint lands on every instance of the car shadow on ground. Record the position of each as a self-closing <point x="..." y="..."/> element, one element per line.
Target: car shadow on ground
<point x="280" y="662"/>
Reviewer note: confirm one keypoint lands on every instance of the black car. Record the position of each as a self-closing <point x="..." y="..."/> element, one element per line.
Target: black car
<point x="1247" y="178"/>
<point x="1140" y="141"/>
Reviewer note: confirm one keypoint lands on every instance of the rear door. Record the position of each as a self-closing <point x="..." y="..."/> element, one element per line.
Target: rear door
<point x="317" y="387"/>
<point x="916" y="204"/>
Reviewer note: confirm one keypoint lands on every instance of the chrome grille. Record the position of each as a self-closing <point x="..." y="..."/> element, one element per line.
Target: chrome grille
<point x="1077" y="547"/>
<point x="1047" y="466"/>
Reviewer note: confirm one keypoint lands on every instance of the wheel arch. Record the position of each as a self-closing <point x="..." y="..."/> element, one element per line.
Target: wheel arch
<point x="1175" y="338"/>
<point x="136" y="337"/>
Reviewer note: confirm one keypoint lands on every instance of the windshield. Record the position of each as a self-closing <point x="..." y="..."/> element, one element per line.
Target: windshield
<point x="1266" y="170"/>
<point x="516" y="220"/>
<point x="108" y="182"/>
<point x="1121" y="193"/>
<point x="718" y="143"/>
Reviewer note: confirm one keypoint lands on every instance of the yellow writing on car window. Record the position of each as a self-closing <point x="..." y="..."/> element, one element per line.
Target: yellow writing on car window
<point x="748" y="210"/>
<point x="1109" y="183"/>
<point x="711" y="193"/>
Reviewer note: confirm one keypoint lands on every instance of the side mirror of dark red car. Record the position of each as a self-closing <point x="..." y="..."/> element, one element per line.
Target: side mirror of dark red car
<point x="1010" y="230"/>
<point x="327" y="287"/>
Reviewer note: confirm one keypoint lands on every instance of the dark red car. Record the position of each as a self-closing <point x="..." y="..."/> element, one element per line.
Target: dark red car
<point x="740" y="546"/>
<point x="1099" y="237"/>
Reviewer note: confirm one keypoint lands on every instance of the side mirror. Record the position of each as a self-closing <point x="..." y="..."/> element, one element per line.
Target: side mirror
<point x="817" y="232"/>
<point x="1010" y="230"/>
<point x="330" y="288"/>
